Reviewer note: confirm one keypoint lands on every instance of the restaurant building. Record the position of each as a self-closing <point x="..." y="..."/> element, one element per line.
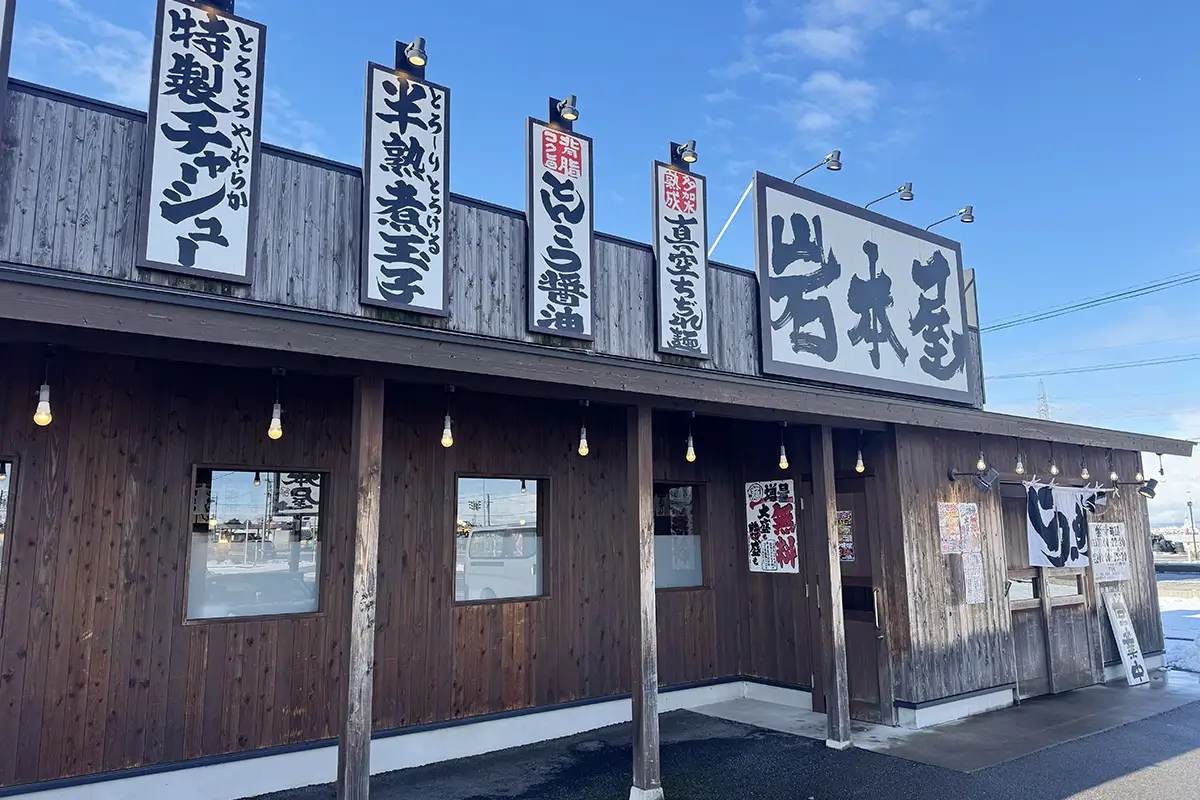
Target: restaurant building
<point x="307" y="476"/>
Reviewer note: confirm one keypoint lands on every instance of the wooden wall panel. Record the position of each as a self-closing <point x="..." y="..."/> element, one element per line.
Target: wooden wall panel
<point x="100" y="671"/>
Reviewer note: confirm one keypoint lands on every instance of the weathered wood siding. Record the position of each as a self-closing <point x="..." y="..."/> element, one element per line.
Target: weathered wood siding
<point x="74" y="201"/>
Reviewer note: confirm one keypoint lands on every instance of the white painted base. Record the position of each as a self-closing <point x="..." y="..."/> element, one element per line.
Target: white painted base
<point x="834" y="744"/>
<point x="1116" y="672"/>
<point x="232" y="780"/>
<point x="645" y="794"/>
<point x="956" y="709"/>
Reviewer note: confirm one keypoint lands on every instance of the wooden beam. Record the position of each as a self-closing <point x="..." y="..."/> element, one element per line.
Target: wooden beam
<point x="837" y="686"/>
<point x="48" y="297"/>
<point x="647" y="779"/>
<point x="354" y="749"/>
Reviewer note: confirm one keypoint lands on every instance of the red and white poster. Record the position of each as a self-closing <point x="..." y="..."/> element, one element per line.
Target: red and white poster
<point x="771" y="526"/>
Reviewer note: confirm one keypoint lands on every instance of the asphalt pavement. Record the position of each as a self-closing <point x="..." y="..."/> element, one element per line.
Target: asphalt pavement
<point x="705" y="758"/>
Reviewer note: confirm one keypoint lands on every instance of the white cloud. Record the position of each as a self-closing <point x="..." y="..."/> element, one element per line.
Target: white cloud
<point x="826" y="44"/>
<point x="723" y="96"/>
<point x="754" y="11"/>
<point x="284" y="125"/>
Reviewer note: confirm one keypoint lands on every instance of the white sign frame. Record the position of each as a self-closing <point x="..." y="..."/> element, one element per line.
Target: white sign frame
<point x="160" y="168"/>
<point x="540" y="235"/>
<point x="666" y="295"/>
<point x="1124" y="635"/>
<point x="436" y="301"/>
<point x="769" y="547"/>
<point x="899" y="245"/>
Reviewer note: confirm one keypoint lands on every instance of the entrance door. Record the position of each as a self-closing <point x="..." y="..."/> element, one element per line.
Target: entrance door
<point x="1054" y="616"/>
<point x="860" y="602"/>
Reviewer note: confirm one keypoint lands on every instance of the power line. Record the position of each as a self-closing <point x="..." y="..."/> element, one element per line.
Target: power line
<point x="1181" y="279"/>
<point x="1149" y="362"/>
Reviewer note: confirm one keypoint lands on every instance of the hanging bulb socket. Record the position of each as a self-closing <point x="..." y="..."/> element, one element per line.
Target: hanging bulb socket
<point x="257" y="479"/>
<point x="583" y="448"/>
<point x="1020" y="470"/>
<point x="275" y="429"/>
<point x="447" y="429"/>
<point x="1084" y="474"/>
<point x="783" y="459"/>
<point x="1162" y="475"/>
<point x="859" y="466"/>
<point x="42" y="416"/>
<point x="3" y="471"/>
<point x="1053" y="467"/>
<point x="981" y="464"/>
<point x="524" y="489"/>
<point x="690" y="455"/>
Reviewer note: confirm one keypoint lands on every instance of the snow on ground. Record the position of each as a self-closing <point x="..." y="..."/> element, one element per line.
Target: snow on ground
<point x="1181" y="627"/>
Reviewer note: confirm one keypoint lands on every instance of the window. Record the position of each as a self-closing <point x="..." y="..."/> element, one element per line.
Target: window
<point x="6" y="491"/>
<point x="497" y="540"/>
<point x="1024" y="588"/>
<point x="255" y="543"/>
<point x="677" y="562"/>
<point x="1063" y="585"/>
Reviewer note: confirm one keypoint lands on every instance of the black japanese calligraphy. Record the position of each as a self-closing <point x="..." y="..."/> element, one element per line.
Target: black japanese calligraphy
<point x="563" y="282"/>
<point x="871" y="299"/>
<point x="932" y="319"/>
<point x="807" y="246"/>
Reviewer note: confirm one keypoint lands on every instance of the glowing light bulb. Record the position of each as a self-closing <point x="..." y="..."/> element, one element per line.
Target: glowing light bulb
<point x="1112" y="476"/>
<point x="3" y="472"/>
<point x="691" y="450"/>
<point x="1020" y="465"/>
<point x="523" y="489"/>
<point x="1084" y="474"/>
<point x="1139" y="477"/>
<point x="858" y="463"/>
<point x="783" y="462"/>
<point x="257" y="479"/>
<point x="42" y="416"/>
<point x="981" y="464"/>
<point x="522" y="522"/>
<point x="447" y="434"/>
<point x="1053" y="468"/>
<point x="275" y="430"/>
<point x="583" y="445"/>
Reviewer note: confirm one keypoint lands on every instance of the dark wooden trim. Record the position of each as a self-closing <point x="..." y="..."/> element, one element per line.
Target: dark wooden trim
<point x="320" y="162"/>
<point x="644" y="651"/>
<point x="941" y="701"/>
<point x="60" y="96"/>
<point x="354" y="744"/>
<point x="13" y="475"/>
<point x="833" y="622"/>
<point x="46" y="296"/>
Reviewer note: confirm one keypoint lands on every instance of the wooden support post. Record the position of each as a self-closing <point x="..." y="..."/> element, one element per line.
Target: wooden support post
<point x="837" y="688"/>
<point x="647" y="780"/>
<point x="354" y="747"/>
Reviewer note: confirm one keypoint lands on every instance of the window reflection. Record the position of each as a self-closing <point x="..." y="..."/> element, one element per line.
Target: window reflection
<point x="255" y="539"/>
<point x="676" y="537"/>
<point x="1063" y="585"/>
<point x="498" y="543"/>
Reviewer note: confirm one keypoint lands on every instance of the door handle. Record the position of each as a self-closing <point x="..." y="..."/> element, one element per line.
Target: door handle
<point x="875" y="601"/>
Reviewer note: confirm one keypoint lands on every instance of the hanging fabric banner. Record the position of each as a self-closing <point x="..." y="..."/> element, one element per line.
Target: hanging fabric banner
<point x="771" y="533"/>
<point x="681" y="256"/>
<point x="406" y="193"/>
<point x="1057" y="523"/>
<point x="1110" y="551"/>
<point x="559" y="213"/>
<point x="200" y="171"/>
<point x="7" y="10"/>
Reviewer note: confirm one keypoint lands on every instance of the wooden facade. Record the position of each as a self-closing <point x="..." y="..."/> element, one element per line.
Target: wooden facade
<point x="155" y="373"/>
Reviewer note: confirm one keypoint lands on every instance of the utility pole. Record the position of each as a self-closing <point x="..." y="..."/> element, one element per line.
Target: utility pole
<point x="1043" y="402"/>
<point x="1192" y="526"/>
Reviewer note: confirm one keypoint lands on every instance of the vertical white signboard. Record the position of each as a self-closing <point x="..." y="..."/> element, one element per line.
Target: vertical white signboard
<point x="561" y="230"/>
<point x="406" y="193"/>
<point x="681" y="261"/>
<point x="200" y="170"/>
<point x="1127" y="643"/>
<point x="772" y="538"/>
<point x="852" y="297"/>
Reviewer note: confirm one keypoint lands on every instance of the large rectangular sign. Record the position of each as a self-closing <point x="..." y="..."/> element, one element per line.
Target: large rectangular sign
<point x="8" y="9"/>
<point x="1110" y="551"/>
<point x="406" y="193"/>
<point x="200" y="171"/>
<point x="559" y="212"/>
<point x="772" y="534"/>
<point x="681" y="261"/>
<point x="852" y="297"/>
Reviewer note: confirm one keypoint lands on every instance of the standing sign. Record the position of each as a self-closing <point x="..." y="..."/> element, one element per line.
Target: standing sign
<point x="406" y="193"/>
<point x="200" y="173"/>
<point x="559" y="212"/>
<point x="297" y="494"/>
<point x="1110" y="552"/>
<point x="1127" y="643"/>
<point x="7" y="11"/>
<point x="771" y="533"/>
<point x="852" y="297"/>
<point x="681" y="261"/>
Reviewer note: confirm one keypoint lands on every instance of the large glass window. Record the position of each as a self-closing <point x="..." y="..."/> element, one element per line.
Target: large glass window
<point x="677" y="559"/>
<point x="255" y="543"/>
<point x="497" y="540"/>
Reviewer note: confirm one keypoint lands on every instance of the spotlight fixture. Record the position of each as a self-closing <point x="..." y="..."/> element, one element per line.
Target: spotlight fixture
<point x="984" y="481"/>
<point x="447" y="430"/>
<point x="966" y="214"/>
<point x="567" y="110"/>
<point x="1148" y="488"/>
<point x="687" y="152"/>
<point x="583" y="443"/>
<point x="859" y="467"/>
<point x="690" y="455"/>
<point x="831" y="162"/>
<point x="904" y="190"/>
<point x="783" y="459"/>
<point x="257" y="478"/>
<point x="981" y="464"/>
<point x="415" y="52"/>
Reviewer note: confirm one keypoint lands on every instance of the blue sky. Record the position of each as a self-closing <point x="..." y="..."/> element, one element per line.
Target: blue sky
<point x="1072" y="134"/>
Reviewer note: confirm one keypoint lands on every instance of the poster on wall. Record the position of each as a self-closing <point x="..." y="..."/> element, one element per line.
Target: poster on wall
<point x="7" y="11"/>
<point x="406" y="193"/>
<point x="973" y="579"/>
<point x="845" y="529"/>
<point x="1110" y="551"/>
<point x="559" y="214"/>
<point x="771" y="533"/>
<point x="855" y="298"/>
<point x="958" y="528"/>
<point x="200" y="172"/>
<point x="297" y="494"/>
<point x="1123" y="633"/>
<point x="681" y="261"/>
<point x="1057" y="523"/>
